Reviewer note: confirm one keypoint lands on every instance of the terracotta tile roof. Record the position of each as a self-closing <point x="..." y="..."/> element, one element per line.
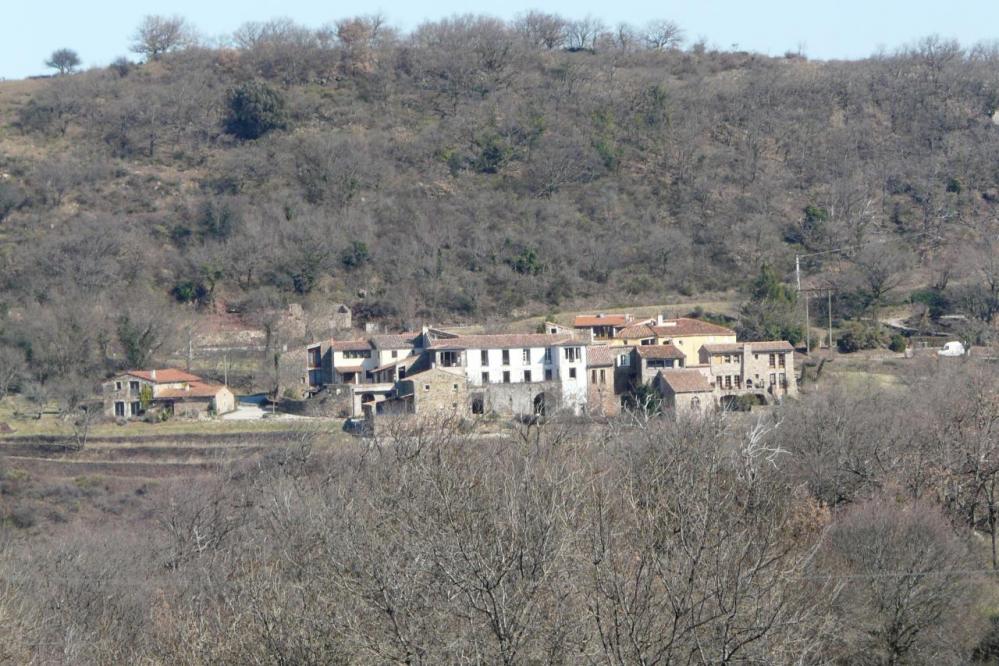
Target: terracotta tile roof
<point x="603" y="356"/>
<point x="588" y="321"/>
<point x="637" y="331"/>
<point x="764" y="346"/>
<point x="506" y="341"/>
<point x="164" y="375"/>
<point x="685" y="381"/>
<point x="405" y="340"/>
<point x="350" y="345"/>
<point x="659" y="351"/>
<point x="682" y="327"/>
<point x="193" y="390"/>
<point x="687" y="326"/>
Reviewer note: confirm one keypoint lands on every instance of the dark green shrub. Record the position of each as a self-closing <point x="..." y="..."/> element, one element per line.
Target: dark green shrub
<point x="898" y="343"/>
<point x="254" y="109"/>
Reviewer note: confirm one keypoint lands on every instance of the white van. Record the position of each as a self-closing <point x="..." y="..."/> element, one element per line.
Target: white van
<point x="952" y="348"/>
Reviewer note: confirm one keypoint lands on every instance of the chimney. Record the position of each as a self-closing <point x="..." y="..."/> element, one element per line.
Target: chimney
<point x="659" y="319"/>
<point x="152" y="374"/>
<point x="601" y="315"/>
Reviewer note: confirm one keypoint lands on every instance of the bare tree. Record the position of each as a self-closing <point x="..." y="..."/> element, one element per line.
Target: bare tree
<point x="541" y="30"/>
<point x="663" y="35"/>
<point x="64" y="60"/>
<point x="908" y="586"/>
<point x="581" y="34"/>
<point x="157" y="35"/>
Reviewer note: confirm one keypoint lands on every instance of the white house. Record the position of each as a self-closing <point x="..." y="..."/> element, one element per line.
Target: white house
<point x="518" y="373"/>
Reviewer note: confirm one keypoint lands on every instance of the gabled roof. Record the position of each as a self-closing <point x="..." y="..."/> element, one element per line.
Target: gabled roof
<point x="505" y="341"/>
<point x="164" y="375"/>
<point x="406" y="340"/>
<point x="659" y="351"/>
<point x="638" y="331"/>
<point x="350" y="345"/>
<point x="687" y="326"/>
<point x="603" y="356"/>
<point x="456" y="373"/>
<point x="682" y="327"/>
<point x="685" y="381"/>
<point x="763" y="346"/>
<point x="588" y="321"/>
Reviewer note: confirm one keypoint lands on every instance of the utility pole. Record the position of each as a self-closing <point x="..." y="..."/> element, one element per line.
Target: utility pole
<point x="829" y="312"/>
<point x="808" y="333"/>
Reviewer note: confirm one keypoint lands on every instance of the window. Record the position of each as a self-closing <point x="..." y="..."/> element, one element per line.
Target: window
<point x="773" y="360"/>
<point x="402" y="372"/>
<point x="738" y="381"/>
<point x="117" y="387"/>
<point x="527" y="375"/>
<point x="506" y="357"/>
<point x="133" y="387"/>
<point x="454" y="387"/>
<point x="485" y="377"/>
<point x="136" y="408"/>
<point x="695" y="403"/>
<point x="484" y="357"/>
<point x="478" y="405"/>
<point x="593" y="376"/>
<point x="773" y="379"/>
<point x="449" y="359"/>
<point x="357" y="353"/>
<point x="119" y="407"/>
<point x="783" y="380"/>
<point x="426" y="387"/>
<point x="718" y="381"/>
<point x="527" y="357"/>
<point x="728" y="381"/>
<point x="728" y="358"/>
<point x="506" y="376"/>
<point x="548" y="374"/>
<point x="572" y="373"/>
<point x="548" y="355"/>
<point x="573" y="354"/>
<point x="781" y="360"/>
<point x="603" y="376"/>
<point x="395" y="354"/>
<point x="315" y="357"/>
<point x="624" y="360"/>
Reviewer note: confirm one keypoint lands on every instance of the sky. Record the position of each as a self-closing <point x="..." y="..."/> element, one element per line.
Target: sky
<point x="830" y="29"/>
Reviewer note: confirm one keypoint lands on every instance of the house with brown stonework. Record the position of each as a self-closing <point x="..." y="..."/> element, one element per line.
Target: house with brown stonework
<point x="685" y="391"/>
<point x="169" y="390"/>
<point x="610" y="378"/>
<point x="762" y="369"/>
<point x="650" y="359"/>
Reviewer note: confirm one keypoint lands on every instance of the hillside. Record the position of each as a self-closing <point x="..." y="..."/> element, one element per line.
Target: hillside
<point x="473" y="169"/>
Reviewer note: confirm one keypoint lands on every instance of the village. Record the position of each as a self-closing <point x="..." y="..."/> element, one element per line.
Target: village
<point x="597" y="366"/>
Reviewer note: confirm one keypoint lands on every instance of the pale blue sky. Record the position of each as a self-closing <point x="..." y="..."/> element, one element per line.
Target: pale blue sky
<point x="99" y="31"/>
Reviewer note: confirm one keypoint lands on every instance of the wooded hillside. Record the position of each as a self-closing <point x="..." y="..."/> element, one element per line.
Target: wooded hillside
<point x="476" y="168"/>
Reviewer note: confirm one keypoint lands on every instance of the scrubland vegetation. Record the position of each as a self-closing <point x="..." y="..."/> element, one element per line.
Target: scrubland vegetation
<point x="475" y="168"/>
<point x="854" y="526"/>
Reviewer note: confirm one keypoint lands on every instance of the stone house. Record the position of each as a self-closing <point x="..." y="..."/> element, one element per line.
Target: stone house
<point x="376" y="359"/>
<point x="685" y="391"/>
<point x="431" y="391"/>
<point x="762" y="369"/>
<point x="610" y="378"/>
<point x="134" y="393"/>
<point x="650" y="359"/>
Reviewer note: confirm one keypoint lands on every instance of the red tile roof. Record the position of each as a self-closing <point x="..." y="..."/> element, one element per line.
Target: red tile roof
<point x="164" y="375"/>
<point x="505" y="341"/>
<point x="603" y="356"/>
<point x="682" y="327"/>
<point x="588" y="321"/>
<point x="350" y="345"/>
<point x="685" y="381"/>
<point x="659" y="351"/>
